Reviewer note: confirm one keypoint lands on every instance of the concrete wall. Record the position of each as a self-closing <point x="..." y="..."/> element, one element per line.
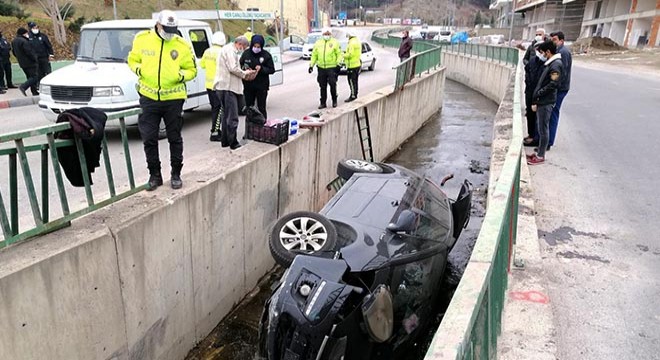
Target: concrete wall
<point x="489" y="78"/>
<point x="148" y="277"/>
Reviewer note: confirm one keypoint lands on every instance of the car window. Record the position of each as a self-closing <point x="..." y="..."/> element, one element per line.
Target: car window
<point x="111" y="45"/>
<point x="199" y="41"/>
<point x="367" y="47"/>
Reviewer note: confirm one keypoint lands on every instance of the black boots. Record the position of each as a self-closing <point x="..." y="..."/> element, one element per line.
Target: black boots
<point x="155" y="180"/>
<point x="175" y="181"/>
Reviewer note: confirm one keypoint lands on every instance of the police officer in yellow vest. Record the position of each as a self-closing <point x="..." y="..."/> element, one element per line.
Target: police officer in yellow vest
<point x="353" y="64"/>
<point x="248" y="34"/>
<point x="209" y="62"/>
<point x="326" y="55"/>
<point x="163" y="62"/>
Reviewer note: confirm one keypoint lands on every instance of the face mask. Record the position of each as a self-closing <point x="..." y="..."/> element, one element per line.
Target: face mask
<point x="326" y="37"/>
<point x="256" y="50"/>
<point x="541" y="56"/>
<point x="165" y="35"/>
<point x="538" y="38"/>
<point x="35" y="31"/>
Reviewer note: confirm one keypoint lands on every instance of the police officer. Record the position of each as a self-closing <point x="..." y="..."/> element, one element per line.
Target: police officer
<point x="248" y="34"/>
<point x="259" y="59"/>
<point x="209" y="62"/>
<point x="163" y="62"/>
<point x="42" y="48"/>
<point x="353" y="64"/>
<point x="5" y="64"/>
<point x="326" y="55"/>
<point x="27" y="60"/>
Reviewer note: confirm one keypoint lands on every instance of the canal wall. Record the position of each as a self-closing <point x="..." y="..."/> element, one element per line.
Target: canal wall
<point x="150" y="276"/>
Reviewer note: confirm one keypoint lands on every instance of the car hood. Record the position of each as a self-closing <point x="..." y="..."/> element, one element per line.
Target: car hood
<point x="84" y="73"/>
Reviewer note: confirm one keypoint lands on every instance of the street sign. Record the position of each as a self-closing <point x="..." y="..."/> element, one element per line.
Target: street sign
<point x="245" y="15"/>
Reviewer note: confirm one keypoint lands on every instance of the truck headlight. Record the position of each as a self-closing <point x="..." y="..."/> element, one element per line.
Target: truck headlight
<point x="44" y="89"/>
<point x="108" y="91"/>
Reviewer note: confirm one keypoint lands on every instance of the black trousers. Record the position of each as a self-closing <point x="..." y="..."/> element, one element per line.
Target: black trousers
<point x="32" y="76"/>
<point x="229" y="101"/>
<point x="5" y="73"/>
<point x="531" y="117"/>
<point x="352" y="76"/>
<point x="251" y="94"/>
<point x="216" y="109"/>
<point x="148" y="123"/>
<point x="327" y="77"/>
<point x="44" y="67"/>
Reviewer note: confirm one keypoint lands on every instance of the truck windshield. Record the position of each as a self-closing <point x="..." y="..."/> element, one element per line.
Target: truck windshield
<point x="106" y="45"/>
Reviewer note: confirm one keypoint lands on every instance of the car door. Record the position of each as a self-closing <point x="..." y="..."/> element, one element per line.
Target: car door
<point x="199" y="39"/>
<point x="367" y="55"/>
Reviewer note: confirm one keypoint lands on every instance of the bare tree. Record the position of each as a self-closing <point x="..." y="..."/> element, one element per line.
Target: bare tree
<point x="57" y="15"/>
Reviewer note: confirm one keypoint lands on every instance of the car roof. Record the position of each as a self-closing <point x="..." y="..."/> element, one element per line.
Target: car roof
<point x="136" y="23"/>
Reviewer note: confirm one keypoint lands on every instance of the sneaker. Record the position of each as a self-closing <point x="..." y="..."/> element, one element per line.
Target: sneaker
<point x="215" y="137"/>
<point x="155" y="180"/>
<point x="322" y="106"/>
<point x="176" y="182"/>
<point x="529" y="156"/>
<point x="22" y="91"/>
<point x="235" y="146"/>
<point x="350" y="99"/>
<point x="535" y="160"/>
<point x="334" y="103"/>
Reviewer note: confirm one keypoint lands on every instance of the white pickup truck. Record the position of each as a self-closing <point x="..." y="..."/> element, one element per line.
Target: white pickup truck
<point x="101" y="78"/>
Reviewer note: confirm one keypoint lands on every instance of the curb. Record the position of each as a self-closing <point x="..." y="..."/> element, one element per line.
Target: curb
<point x="26" y="101"/>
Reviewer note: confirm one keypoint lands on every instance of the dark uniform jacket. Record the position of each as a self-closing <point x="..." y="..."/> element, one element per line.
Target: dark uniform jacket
<point x="41" y="44"/>
<point x="533" y="70"/>
<point x="5" y="48"/>
<point x="545" y="92"/>
<point x="250" y="60"/>
<point x="24" y="52"/>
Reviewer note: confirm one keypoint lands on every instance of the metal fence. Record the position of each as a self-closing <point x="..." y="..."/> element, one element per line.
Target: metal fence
<point x="472" y="323"/>
<point x="40" y="208"/>
<point x="501" y="54"/>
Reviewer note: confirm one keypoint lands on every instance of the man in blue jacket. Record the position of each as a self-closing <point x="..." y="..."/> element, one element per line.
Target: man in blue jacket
<point x="564" y="84"/>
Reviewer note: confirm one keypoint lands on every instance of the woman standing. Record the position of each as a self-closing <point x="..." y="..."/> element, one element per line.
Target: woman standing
<point x="257" y="58"/>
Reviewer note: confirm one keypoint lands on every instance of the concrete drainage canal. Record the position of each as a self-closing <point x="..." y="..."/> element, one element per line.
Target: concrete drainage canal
<point x="457" y="142"/>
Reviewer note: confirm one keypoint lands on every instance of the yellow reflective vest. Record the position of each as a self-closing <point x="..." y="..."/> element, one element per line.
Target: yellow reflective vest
<point x="248" y="35"/>
<point x="352" y="53"/>
<point x="326" y="54"/>
<point x="163" y="67"/>
<point x="210" y="63"/>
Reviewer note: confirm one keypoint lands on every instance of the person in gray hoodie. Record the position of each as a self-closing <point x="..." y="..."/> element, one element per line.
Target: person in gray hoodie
<point x="545" y="97"/>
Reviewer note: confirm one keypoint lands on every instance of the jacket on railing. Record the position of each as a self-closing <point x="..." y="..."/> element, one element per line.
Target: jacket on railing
<point x="88" y="124"/>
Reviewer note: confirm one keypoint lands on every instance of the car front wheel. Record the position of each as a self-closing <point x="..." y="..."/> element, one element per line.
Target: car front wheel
<point x="301" y="232"/>
<point x="347" y="167"/>
<point x="372" y="67"/>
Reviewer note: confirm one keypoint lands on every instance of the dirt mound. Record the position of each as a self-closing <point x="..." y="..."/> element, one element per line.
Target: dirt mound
<point x="596" y="43"/>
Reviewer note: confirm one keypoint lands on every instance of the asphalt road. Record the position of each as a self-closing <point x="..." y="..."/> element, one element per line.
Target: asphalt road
<point x="298" y="96"/>
<point x="597" y="208"/>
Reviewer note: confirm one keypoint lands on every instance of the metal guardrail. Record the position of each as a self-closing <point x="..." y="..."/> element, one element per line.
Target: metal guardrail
<point x="41" y="214"/>
<point x="472" y="323"/>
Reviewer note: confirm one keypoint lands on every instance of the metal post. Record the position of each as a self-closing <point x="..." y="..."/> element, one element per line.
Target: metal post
<point x="13" y="193"/>
<point x="282" y="25"/>
<point x="513" y="16"/>
<point x="114" y="8"/>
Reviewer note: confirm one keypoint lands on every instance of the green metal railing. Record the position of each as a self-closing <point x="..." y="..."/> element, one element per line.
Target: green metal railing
<point x="501" y="54"/>
<point x="18" y="76"/>
<point x="40" y="208"/>
<point x="472" y="323"/>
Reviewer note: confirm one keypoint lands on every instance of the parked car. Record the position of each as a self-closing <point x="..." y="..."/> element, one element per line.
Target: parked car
<point x="363" y="274"/>
<point x="367" y="58"/>
<point x="309" y="44"/>
<point x="443" y="36"/>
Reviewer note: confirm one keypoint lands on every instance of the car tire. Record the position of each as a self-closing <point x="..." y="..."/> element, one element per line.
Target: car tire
<point x="291" y="235"/>
<point x="347" y="167"/>
<point x="372" y="67"/>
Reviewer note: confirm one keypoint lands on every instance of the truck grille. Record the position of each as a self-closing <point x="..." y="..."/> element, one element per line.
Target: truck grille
<point x="71" y="93"/>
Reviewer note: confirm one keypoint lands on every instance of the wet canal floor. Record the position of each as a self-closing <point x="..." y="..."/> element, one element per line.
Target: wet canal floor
<point x="457" y="142"/>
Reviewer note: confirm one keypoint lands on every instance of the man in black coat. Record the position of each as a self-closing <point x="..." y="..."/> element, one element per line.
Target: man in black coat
<point x="27" y="59"/>
<point x="42" y="48"/>
<point x="256" y="58"/>
<point x="545" y="96"/>
<point x="406" y="46"/>
<point x="564" y="84"/>
<point x="5" y="64"/>
<point x="533" y="70"/>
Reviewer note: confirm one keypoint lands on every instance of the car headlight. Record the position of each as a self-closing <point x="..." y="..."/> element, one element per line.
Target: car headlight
<point x="44" y="89"/>
<point x="108" y="91"/>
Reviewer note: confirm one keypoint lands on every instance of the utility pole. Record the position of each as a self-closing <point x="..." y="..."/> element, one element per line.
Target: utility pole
<point x="513" y="16"/>
<point x="114" y="8"/>
<point x="282" y="25"/>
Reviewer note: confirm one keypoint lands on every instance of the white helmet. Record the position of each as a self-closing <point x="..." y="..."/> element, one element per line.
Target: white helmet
<point x="169" y="21"/>
<point x="218" y="38"/>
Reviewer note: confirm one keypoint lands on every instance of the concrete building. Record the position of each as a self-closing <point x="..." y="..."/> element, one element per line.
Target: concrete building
<point x="552" y="15"/>
<point x="299" y="14"/>
<point x="630" y="23"/>
<point x="503" y="18"/>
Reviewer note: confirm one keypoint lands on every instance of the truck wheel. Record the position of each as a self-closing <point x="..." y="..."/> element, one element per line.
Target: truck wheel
<point x="347" y="167"/>
<point x="301" y="232"/>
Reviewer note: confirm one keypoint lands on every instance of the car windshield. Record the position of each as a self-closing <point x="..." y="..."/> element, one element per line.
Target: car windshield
<point x="311" y="39"/>
<point x="109" y="45"/>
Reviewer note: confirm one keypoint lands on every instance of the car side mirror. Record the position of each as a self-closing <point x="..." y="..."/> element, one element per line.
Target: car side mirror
<point x="405" y="223"/>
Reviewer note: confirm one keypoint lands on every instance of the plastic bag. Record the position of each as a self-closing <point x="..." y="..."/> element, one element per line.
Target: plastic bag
<point x="253" y="115"/>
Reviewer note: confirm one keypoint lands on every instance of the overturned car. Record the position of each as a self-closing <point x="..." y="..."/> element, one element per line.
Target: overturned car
<point x="363" y="274"/>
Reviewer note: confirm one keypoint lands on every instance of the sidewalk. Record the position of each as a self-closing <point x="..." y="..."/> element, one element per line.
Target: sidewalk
<point x="528" y="329"/>
<point x="14" y="98"/>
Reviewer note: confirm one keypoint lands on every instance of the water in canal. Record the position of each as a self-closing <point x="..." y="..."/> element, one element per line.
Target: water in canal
<point x="457" y="142"/>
